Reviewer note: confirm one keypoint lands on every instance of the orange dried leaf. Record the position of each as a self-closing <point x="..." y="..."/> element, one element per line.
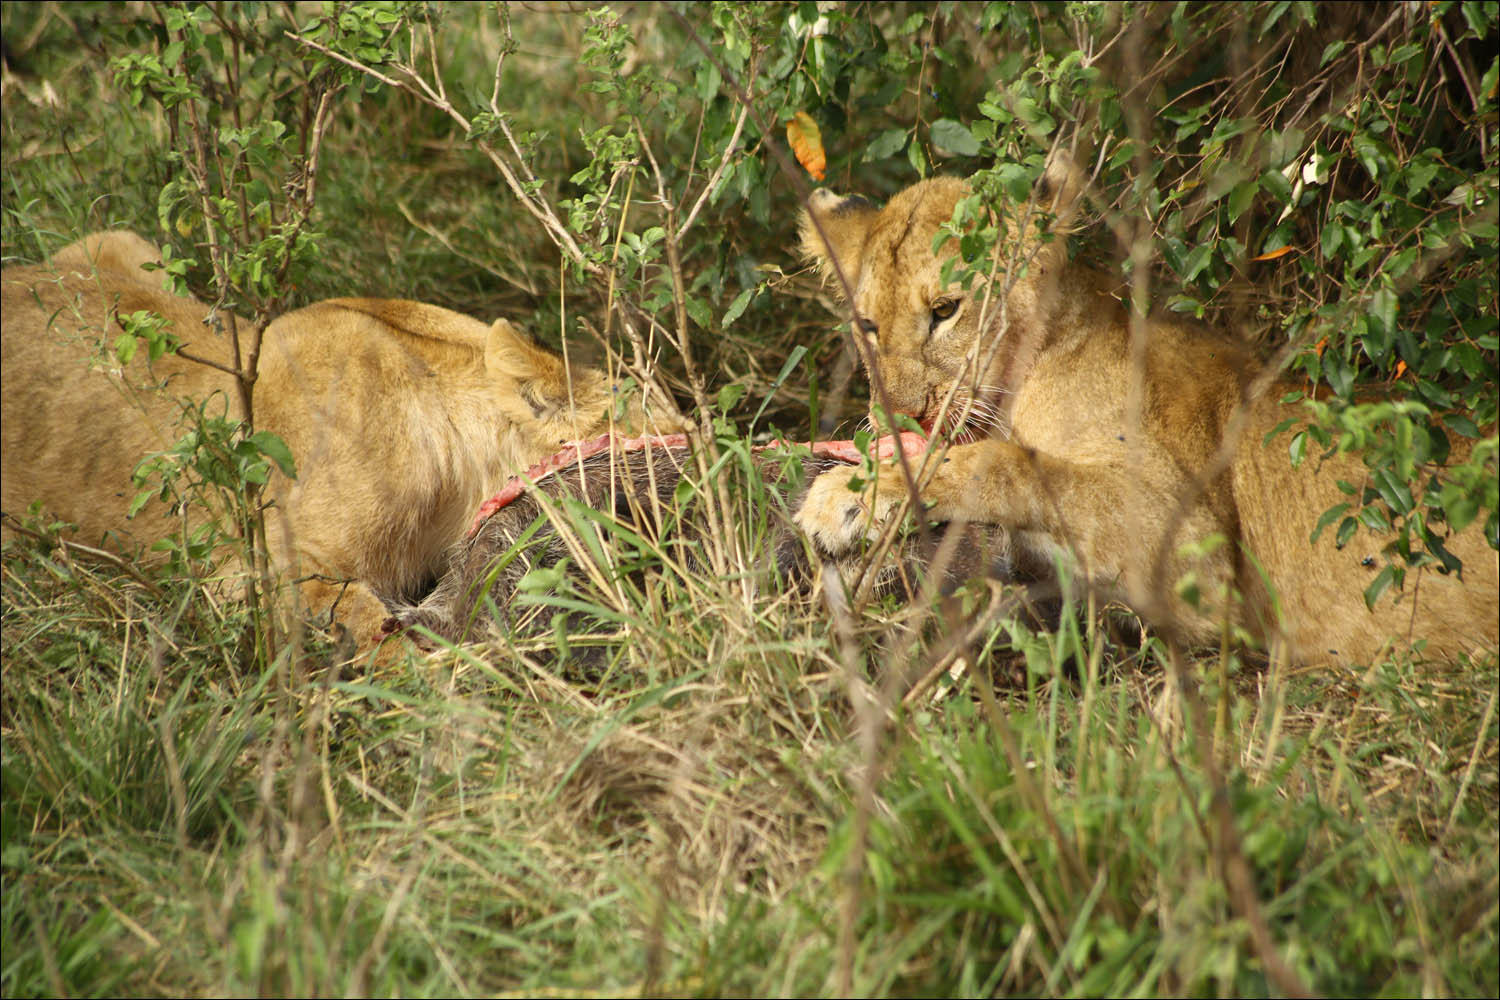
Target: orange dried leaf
<point x="1318" y="349"/>
<point x="803" y="135"/>
<point x="1273" y="254"/>
<point x="1400" y="368"/>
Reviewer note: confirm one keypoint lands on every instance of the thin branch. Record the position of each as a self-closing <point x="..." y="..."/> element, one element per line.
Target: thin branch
<point x="420" y="89"/>
<point x="713" y="180"/>
<point x="89" y="551"/>
<point x="208" y="362"/>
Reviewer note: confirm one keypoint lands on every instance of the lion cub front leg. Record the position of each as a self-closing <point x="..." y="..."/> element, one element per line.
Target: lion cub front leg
<point x="838" y="517"/>
<point x="1115" y="522"/>
<point x="989" y="482"/>
<point x="350" y="607"/>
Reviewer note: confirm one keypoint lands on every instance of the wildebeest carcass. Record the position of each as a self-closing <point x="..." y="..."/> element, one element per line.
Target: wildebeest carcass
<point x="610" y="508"/>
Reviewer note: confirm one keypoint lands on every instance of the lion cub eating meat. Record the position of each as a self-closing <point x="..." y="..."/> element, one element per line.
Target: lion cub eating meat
<point x="1041" y="412"/>
<point x="401" y="418"/>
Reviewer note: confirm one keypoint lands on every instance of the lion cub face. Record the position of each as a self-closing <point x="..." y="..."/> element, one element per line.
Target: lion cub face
<point x="930" y="339"/>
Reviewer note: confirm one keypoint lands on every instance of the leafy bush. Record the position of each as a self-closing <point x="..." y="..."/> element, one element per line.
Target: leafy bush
<point x="742" y="802"/>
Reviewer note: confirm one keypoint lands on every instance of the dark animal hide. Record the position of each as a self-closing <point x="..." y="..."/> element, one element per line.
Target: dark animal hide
<point x="650" y="487"/>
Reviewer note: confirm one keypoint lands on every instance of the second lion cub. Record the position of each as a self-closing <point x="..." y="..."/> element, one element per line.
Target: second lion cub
<point x="1046" y="449"/>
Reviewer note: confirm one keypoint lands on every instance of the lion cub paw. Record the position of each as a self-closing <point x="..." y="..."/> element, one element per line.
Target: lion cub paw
<point x="838" y="520"/>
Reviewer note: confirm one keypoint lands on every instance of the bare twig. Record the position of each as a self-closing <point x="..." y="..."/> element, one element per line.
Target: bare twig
<point x="419" y="88"/>
<point x="89" y="551"/>
<point x="713" y="180"/>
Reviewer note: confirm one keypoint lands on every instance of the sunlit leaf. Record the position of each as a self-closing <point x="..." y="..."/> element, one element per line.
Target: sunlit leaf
<point x="806" y="140"/>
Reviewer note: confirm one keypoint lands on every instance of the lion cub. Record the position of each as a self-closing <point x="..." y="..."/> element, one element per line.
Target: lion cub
<point x="1043" y="423"/>
<point x="401" y="418"/>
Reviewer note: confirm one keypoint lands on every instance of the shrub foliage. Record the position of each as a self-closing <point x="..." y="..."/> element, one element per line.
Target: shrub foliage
<point x="742" y="802"/>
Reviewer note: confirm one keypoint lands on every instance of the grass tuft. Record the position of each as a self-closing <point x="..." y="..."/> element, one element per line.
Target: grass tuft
<point x="711" y="785"/>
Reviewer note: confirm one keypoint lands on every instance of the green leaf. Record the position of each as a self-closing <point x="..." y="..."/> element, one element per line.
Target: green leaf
<point x="1329" y="516"/>
<point x="1405" y="53"/>
<point x="1389" y="574"/>
<point x="699" y="311"/>
<point x="1419" y="175"/>
<point x="1241" y="197"/>
<point x="1372" y="154"/>
<point x="887" y="143"/>
<point x="993" y="111"/>
<point x="1461" y="424"/>
<point x="1197" y="261"/>
<point x="1282" y="148"/>
<point x="1347" y="527"/>
<point x="953" y="137"/>
<point x="1401" y="263"/>
<point x="737" y="307"/>
<point x="1331" y="239"/>
<point x="1383" y="309"/>
<point x="1277" y="9"/>
<point x="1339" y="375"/>
<point x="917" y="158"/>
<point x="730" y="396"/>
<point x="141" y="499"/>
<point x="1298" y="448"/>
<point x="543" y="578"/>
<point x="1278" y="429"/>
<point x="1276" y="184"/>
<point x="1392" y="490"/>
<point x="1373" y="517"/>
<point x="275" y="449"/>
<point x="1491" y="78"/>
<point x="1330" y="51"/>
<point x="124" y="348"/>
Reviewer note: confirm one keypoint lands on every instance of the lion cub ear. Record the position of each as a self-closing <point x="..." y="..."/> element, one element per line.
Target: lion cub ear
<point x="833" y="232"/>
<point x="117" y="251"/>
<point x="509" y="352"/>
<point x="1059" y="188"/>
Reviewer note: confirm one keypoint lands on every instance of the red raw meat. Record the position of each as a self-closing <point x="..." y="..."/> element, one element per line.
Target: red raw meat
<point x="843" y="451"/>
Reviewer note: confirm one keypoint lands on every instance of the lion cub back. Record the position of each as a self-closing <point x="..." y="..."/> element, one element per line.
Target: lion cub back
<point x="74" y="421"/>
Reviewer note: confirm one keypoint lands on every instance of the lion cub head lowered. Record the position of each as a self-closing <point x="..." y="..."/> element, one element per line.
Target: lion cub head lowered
<point x="401" y="418"/>
<point x="922" y="332"/>
<point x="1030" y="371"/>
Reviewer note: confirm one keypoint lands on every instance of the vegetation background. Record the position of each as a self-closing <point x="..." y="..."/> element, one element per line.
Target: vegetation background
<point x="745" y="799"/>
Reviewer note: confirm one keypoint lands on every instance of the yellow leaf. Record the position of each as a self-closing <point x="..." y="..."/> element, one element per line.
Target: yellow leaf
<point x="806" y="140"/>
<point x="1273" y="254"/>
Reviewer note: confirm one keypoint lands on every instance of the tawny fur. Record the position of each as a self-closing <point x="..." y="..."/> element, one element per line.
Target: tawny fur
<point x="401" y="417"/>
<point x="1056" y="464"/>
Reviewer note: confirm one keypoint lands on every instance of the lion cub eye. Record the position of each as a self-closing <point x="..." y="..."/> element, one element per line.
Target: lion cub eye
<point x="943" y="309"/>
<point x="868" y="327"/>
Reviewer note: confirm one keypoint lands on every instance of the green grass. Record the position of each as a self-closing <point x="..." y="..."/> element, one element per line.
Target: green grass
<point x="737" y="803"/>
<point x="478" y="821"/>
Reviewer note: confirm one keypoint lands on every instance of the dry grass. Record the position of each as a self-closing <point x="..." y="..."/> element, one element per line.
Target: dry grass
<point x="738" y="800"/>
